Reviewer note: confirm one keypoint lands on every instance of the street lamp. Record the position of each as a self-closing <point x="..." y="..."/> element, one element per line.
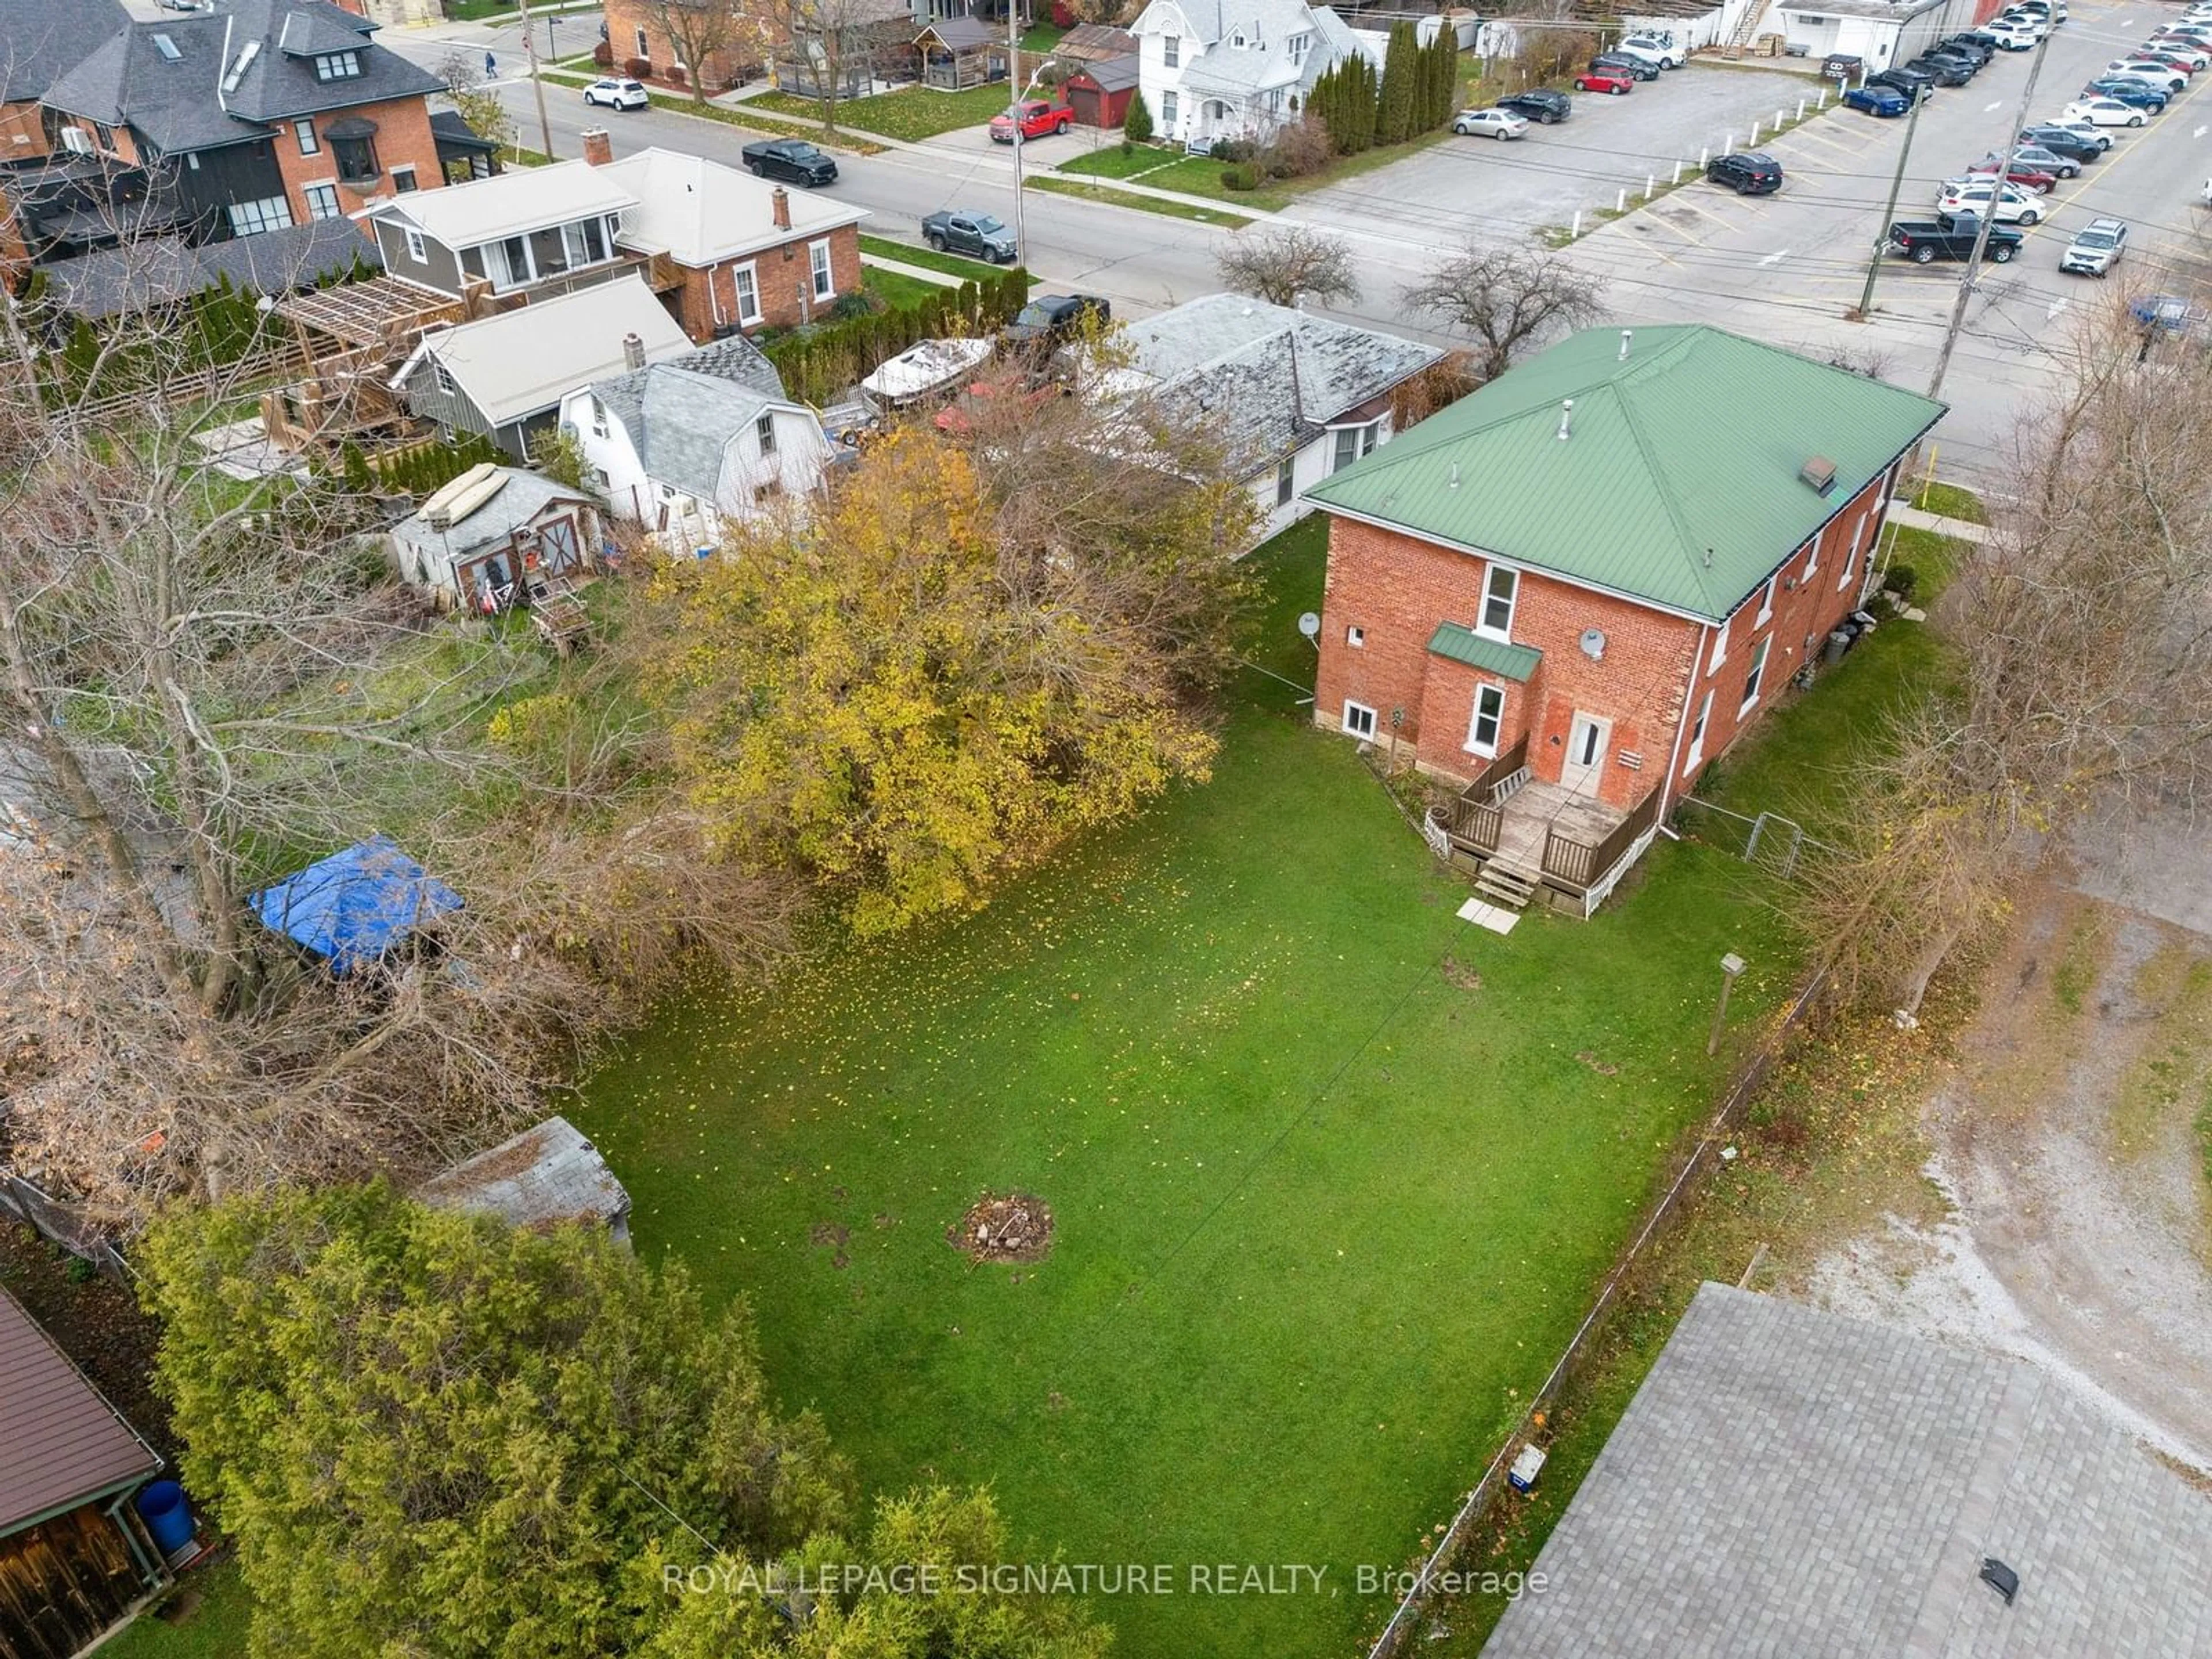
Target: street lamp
<point x="1014" y="115"/>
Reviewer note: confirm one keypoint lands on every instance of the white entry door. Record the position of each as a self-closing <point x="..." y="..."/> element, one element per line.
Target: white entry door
<point x="1587" y="740"/>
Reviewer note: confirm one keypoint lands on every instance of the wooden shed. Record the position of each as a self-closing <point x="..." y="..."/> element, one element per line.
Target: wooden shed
<point x="1099" y="93"/>
<point x="74" y="1560"/>
<point x="956" y="53"/>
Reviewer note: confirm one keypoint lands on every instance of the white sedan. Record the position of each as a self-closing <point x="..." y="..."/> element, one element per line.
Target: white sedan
<point x="1489" y="123"/>
<point x="2015" y="207"/>
<point x="2182" y="52"/>
<point x="2104" y="112"/>
<point x="2150" y="73"/>
<point x="617" y="93"/>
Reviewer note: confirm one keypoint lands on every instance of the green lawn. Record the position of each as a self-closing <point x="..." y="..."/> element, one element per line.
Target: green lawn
<point x="911" y="112"/>
<point x="1200" y="175"/>
<point x="895" y="289"/>
<point x="970" y="270"/>
<point x="214" y="1629"/>
<point x="1327" y="1202"/>
<point x="1108" y="161"/>
<point x="1112" y="198"/>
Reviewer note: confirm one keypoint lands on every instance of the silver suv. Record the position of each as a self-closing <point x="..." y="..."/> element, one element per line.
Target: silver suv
<point x="2096" y="249"/>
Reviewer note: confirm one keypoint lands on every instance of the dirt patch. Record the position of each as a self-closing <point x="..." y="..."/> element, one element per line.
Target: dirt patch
<point x="828" y="1235"/>
<point x="1015" y="1228"/>
<point x="1597" y="1064"/>
<point x="1456" y="972"/>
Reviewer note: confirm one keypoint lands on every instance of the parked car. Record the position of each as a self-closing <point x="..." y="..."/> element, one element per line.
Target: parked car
<point x="2029" y="23"/>
<point x="1541" y="105"/>
<point x="2167" y="313"/>
<point x="2013" y="206"/>
<point x="2072" y="142"/>
<point x="976" y="235"/>
<point x="1971" y="46"/>
<point x="1882" y="101"/>
<point x="1664" y="53"/>
<point x="2010" y="37"/>
<point x="2035" y="158"/>
<point x="1904" y="78"/>
<point x="1942" y="71"/>
<point x="1641" y="68"/>
<point x="1964" y="56"/>
<point x="2027" y="178"/>
<point x="1614" y="81"/>
<point x="2178" y="40"/>
<point x="1747" y="172"/>
<point x="615" y="93"/>
<point x="1978" y="40"/>
<point x="2156" y="75"/>
<point x="2105" y="112"/>
<point x="2185" y="60"/>
<point x="2096" y="249"/>
<point x="1037" y="116"/>
<point x="794" y="159"/>
<point x="1949" y="236"/>
<point x="2141" y="94"/>
<point x="1051" y="318"/>
<point x="1492" y="123"/>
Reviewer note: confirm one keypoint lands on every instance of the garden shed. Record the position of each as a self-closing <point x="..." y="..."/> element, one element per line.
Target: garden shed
<point x="1099" y="93"/>
<point x="352" y="907"/>
<point x="956" y="53"/>
<point x="495" y="537"/>
<point x="542" y="1178"/>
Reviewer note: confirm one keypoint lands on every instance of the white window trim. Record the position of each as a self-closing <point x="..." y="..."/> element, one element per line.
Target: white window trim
<point x="1286" y="481"/>
<point x="337" y="206"/>
<point x="1757" y="677"/>
<point x="1355" y="637"/>
<point x="1811" y="558"/>
<point x="413" y="179"/>
<point x="1171" y="50"/>
<point x="1373" y="721"/>
<point x="304" y="135"/>
<point x="1698" y="732"/>
<point x="821" y="272"/>
<point x="1512" y="605"/>
<point x="415" y="249"/>
<point x="738" y="291"/>
<point x="1766" y="602"/>
<point x="1474" y="746"/>
<point x="1170" y="106"/>
<point x="1720" y="647"/>
<point x="1851" y="558"/>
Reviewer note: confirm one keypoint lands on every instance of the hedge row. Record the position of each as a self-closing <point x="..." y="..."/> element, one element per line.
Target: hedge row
<point x="820" y="364"/>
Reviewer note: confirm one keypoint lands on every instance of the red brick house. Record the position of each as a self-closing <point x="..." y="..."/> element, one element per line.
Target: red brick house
<point x="44" y="40"/>
<point x="1571" y="591"/>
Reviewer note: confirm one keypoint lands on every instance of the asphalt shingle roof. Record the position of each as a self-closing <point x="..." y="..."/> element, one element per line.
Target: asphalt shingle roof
<point x="65" y="1442"/>
<point x="1678" y="484"/>
<point x="181" y="104"/>
<point x="681" y="414"/>
<point x="1793" y="1483"/>
<point x="41" y="40"/>
<point x="514" y="504"/>
<point x="522" y="362"/>
<point x="1267" y="379"/>
<point x="155" y="271"/>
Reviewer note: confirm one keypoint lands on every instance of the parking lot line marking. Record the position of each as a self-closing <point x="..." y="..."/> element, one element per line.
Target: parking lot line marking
<point x="2058" y="304"/>
<point x="2200" y="132"/>
<point x="1995" y="104"/>
<point x="1774" y="258"/>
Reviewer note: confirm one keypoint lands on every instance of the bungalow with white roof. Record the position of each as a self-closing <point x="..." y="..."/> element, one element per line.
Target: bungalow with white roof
<point x="504" y="376"/>
<point x="1212" y="70"/>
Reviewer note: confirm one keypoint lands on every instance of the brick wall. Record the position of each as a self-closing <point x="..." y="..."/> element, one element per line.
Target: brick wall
<point x="1653" y="672"/>
<point x="626" y="17"/>
<point x="22" y="133"/>
<point x="785" y="286"/>
<point x="403" y="138"/>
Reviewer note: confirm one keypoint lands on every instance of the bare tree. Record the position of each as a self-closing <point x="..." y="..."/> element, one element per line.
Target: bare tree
<point x="834" y="41"/>
<point x="1506" y="299"/>
<point x="701" y="30"/>
<point x="478" y="105"/>
<point x="1289" y="263"/>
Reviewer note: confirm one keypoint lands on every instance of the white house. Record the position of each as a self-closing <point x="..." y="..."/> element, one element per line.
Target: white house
<point x="1234" y="69"/>
<point x="1294" y="396"/>
<point x="684" y="446"/>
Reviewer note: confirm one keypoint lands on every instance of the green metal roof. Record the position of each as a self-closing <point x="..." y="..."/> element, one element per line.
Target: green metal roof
<point x="1677" y="483"/>
<point x="1516" y="662"/>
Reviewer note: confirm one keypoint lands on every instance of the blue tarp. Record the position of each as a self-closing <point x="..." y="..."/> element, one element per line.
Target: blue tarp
<point x="354" y="905"/>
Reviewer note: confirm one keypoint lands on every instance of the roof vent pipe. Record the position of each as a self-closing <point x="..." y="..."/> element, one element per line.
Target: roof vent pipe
<point x="1566" y="417"/>
<point x="1626" y="334"/>
<point x="1455" y="475"/>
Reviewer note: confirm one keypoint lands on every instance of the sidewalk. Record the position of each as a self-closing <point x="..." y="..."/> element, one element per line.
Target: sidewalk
<point x="1903" y="513"/>
<point x="919" y="273"/>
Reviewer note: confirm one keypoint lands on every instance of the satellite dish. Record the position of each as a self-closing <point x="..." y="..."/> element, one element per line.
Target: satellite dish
<point x="1309" y="624"/>
<point x="1594" y="644"/>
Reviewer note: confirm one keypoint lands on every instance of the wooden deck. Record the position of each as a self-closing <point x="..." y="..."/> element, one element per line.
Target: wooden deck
<point x="1537" y="810"/>
<point x="1524" y="839"/>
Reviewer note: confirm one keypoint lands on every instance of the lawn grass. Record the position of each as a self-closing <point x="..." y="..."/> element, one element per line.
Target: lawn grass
<point x="1200" y="175"/>
<point x="895" y="289"/>
<point x="742" y="116"/>
<point x="968" y="271"/>
<point x="1951" y="501"/>
<point x="1335" y="1173"/>
<point x="1108" y="161"/>
<point x="214" y="1629"/>
<point x="912" y="113"/>
<point x="1129" y="198"/>
<point x="1041" y="37"/>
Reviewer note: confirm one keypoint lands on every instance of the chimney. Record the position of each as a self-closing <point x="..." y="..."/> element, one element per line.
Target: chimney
<point x="1566" y="417"/>
<point x="780" y="204"/>
<point x="634" y="349"/>
<point x="1625" y="335"/>
<point x="599" y="150"/>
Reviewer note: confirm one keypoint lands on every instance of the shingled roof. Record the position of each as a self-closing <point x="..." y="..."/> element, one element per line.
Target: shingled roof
<point x="66" y="1445"/>
<point x="681" y="414"/>
<point x="233" y="74"/>
<point x="43" y="39"/>
<point x="1790" y="1482"/>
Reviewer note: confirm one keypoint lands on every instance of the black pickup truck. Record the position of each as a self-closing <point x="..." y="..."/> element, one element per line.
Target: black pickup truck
<point x="1949" y="236"/>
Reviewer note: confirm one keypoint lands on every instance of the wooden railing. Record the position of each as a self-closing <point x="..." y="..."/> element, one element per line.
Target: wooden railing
<point x="1513" y="760"/>
<point x="1475" y="816"/>
<point x="1578" y="864"/>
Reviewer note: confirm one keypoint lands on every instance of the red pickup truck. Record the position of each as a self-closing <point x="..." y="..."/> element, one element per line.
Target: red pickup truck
<point x="1037" y="117"/>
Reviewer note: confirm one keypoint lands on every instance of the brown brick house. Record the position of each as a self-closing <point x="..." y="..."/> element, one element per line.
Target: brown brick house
<point x="724" y="34"/>
<point x="40" y="41"/>
<point x="267" y="112"/>
<point x="1571" y="591"/>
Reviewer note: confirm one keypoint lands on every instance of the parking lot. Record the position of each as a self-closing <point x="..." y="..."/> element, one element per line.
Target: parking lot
<point x="1482" y="188"/>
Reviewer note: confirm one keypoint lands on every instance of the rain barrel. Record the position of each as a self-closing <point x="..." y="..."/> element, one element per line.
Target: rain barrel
<point x="162" y="1507"/>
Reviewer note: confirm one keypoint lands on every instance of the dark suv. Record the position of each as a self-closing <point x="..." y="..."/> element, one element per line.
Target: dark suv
<point x="1912" y="82"/>
<point x="1051" y="318"/>
<point x="1748" y="173"/>
<point x="1945" y="72"/>
<point x="1979" y="47"/>
<point x="1620" y="63"/>
<point x="1539" y="104"/>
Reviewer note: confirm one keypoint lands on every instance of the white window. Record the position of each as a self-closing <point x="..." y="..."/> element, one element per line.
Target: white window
<point x="1720" y="645"/>
<point x="1812" y="557"/>
<point x="337" y="66"/>
<point x="764" y="434"/>
<point x="1501" y="590"/>
<point x="251" y="218"/>
<point x="444" y="380"/>
<point x="322" y="201"/>
<point x="402" y="180"/>
<point x="825" y="285"/>
<point x="1356" y="638"/>
<point x="644" y="49"/>
<point x="1275" y="101"/>
<point x="1698" y="732"/>
<point x="303" y="130"/>
<point x="1358" y="719"/>
<point x="415" y="249"/>
<point x="1298" y="45"/>
<point x="1751" y="680"/>
<point x="583" y="243"/>
<point x="1168" y="109"/>
<point x="598" y="419"/>
<point x="1352" y="442"/>
<point x="1851" y="557"/>
<point x="748" y="292"/>
<point x="1238" y="40"/>
<point x="1171" y="51"/>
<point x="1286" y="482"/>
<point x="1766" y="601"/>
<point x="1489" y="715"/>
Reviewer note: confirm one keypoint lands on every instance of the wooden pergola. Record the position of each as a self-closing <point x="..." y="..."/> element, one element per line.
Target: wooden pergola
<point x="352" y="337"/>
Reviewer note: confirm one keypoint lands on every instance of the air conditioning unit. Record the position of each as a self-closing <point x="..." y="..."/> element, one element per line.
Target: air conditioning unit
<point x="77" y="140"/>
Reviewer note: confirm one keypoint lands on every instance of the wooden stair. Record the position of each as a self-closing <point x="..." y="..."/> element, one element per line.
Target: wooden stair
<point x="1747" y="30"/>
<point x="1504" y="885"/>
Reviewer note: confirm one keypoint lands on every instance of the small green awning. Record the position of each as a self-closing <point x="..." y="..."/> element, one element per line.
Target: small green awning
<point x="1515" y="662"/>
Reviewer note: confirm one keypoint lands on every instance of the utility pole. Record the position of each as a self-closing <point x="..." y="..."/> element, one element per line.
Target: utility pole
<point x="1889" y="213"/>
<point x="529" y="51"/>
<point x="1982" y="231"/>
<point x="1014" y="114"/>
